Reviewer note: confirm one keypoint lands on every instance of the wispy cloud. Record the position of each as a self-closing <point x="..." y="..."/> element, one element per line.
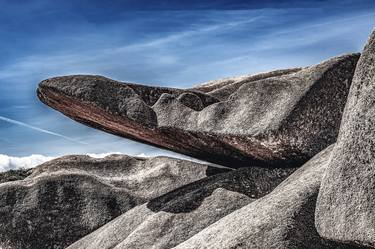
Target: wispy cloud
<point x="12" y="121"/>
<point x="191" y="51"/>
<point x="14" y="163"/>
<point x="123" y="58"/>
<point x="186" y="34"/>
<point x="27" y="162"/>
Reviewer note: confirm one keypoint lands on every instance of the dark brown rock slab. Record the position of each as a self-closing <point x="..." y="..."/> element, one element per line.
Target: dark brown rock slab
<point x="67" y="198"/>
<point x="346" y="204"/>
<point x="283" y="219"/>
<point x="166" y="221"/>
<point x="279" y="118"/>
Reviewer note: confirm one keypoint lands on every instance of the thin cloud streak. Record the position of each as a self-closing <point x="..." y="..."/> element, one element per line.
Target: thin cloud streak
<point x="91" y="57"/>
<point x="185" y="34"/>
<point x="12" y="121"/>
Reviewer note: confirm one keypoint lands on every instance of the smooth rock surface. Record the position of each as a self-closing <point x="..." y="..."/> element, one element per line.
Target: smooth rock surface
<point x="346" y="204"/>
<point x="278" y="118"/>
<point x="166" y="221"/>
<point x="67" y="198"/>
<point x="283" y="219"/>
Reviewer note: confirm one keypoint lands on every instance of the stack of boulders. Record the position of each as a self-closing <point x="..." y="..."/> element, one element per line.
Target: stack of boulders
<point x="297" y="146"/>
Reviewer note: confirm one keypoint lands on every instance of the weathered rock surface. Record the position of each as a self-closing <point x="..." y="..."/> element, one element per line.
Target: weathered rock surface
<point x="279" y="118"/>
<point x="14" y="175"/>
<point x="67" y="198"/>
<point x="283" y="219"/>
<point x="222" y="89"/>
<point x="346" y="204"/>
<point x="168" y="220"/>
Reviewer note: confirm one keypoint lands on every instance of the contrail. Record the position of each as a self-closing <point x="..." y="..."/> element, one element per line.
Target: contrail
<point x="12" y="121"/>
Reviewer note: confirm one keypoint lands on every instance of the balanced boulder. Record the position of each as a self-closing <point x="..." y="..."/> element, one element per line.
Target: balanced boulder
<point x="278" y="118"/>
<point x="67" y="198"/>
<point x="346" y="204"/>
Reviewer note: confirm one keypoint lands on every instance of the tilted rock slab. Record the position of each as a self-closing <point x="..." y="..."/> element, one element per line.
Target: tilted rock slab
<point x="67" y="198"/>
<point x="168" y="220"/>
<point x="346" y="204"/>
<point x="278" y="118"/>
<point x="283" y="219"/>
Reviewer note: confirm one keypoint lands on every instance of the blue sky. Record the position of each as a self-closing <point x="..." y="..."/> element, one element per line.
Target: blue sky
<point x="169" y="43"/>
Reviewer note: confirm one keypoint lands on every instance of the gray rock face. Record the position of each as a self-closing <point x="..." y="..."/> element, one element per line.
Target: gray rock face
<point x="279" y="118"/>
<point x="14" y="175"/>
<point x="67" y="198"/>
<point x="222" y="89"/>
<point x="168" y="220"/>
<point x="346" y="204"/>
<point x="283" y="219"/>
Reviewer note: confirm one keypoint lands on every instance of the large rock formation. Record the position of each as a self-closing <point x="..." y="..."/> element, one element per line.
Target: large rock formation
<point x="279" y="118"/>
<point x="166" y="221"/>
<point x="283" y="219"/>
<point x="67" y="198"/>
<point x="346" y="204"/>
<point x="272" y="123"/>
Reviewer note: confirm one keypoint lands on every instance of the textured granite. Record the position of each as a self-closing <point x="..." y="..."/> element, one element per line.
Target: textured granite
<point x="278" y="118"/>
<point x="346" y="204"/>
<point x="14" y="175"/>
<point x="283" y="219"/>
<point x="67" y="198"/>
<point x="168" y="220"/>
